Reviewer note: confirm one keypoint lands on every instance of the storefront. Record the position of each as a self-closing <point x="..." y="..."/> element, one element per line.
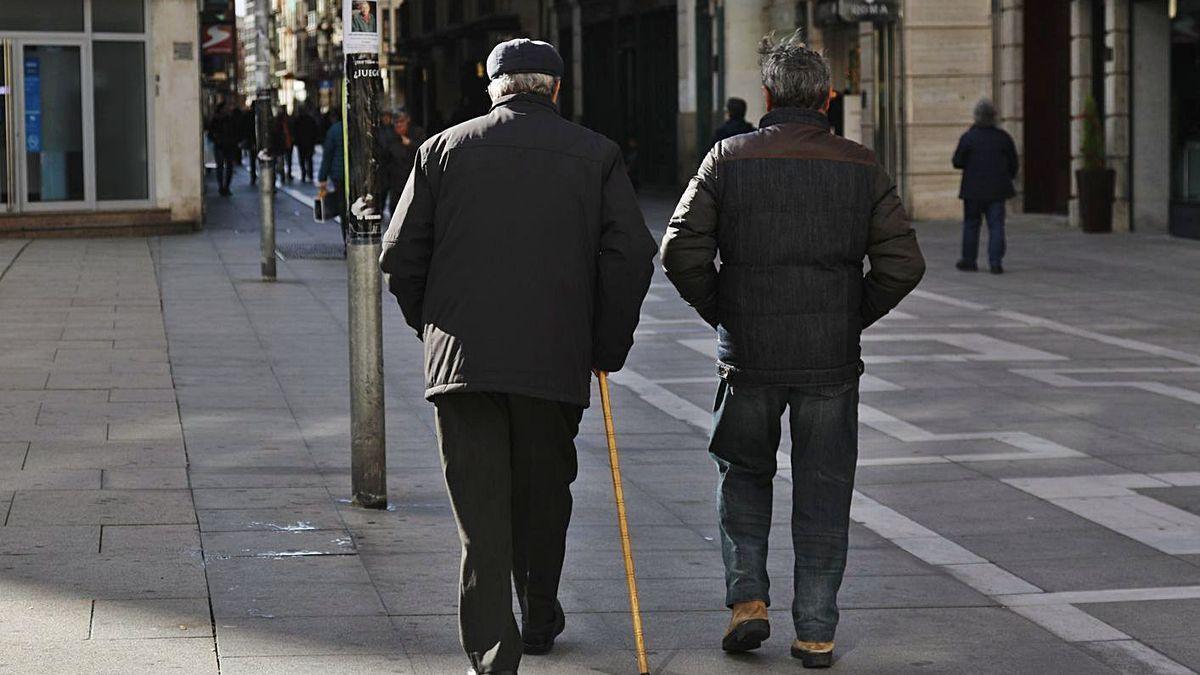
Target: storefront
<point x="1185" y="118"/>
<point x="78" y="80"/>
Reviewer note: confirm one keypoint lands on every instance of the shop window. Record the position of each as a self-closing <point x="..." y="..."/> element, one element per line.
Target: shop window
<point x="48" y="15"/>
<point x="118" y="16"/>
<point x="119" y="86"/>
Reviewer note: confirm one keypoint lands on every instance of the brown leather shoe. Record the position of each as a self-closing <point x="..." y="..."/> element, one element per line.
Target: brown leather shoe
<point x="747" y="628"/>
<point x="813" y="654"/>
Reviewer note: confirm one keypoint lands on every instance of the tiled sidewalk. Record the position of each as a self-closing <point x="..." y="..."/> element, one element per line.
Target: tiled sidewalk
<point x="174" y="472"/>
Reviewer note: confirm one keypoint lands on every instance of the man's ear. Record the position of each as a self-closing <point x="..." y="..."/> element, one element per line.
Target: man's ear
<point x="557" y="88"/>
<point x="767" y="98"/>
<point x="828" y="101"/>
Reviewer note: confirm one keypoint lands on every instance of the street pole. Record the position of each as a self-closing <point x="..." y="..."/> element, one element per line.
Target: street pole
<point x="262" y="134"/>
<point x="362" y="93"/>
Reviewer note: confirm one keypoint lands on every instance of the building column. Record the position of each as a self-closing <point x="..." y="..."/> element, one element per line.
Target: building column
<point x="1009" y="83"/>
<point x="745" y="27"/>
<point x="1081" y="88"/>
<point x="1150" y="116"/>
<point x="1116" y="107"/>
<point x="946" y="67"/>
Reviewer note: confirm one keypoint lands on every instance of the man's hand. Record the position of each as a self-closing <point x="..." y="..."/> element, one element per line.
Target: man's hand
<point x="322" y="190"/>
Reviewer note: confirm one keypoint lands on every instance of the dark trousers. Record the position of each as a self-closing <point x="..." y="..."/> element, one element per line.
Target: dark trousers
<point x="283" y="165"/>
<point x="225" y="156"/>
<point x="306" y="162"/>
<point x="252" y="165"/>
<point x="745" y="440"/>
<point x="974" y="211"/>
<point x="509" y="462"/>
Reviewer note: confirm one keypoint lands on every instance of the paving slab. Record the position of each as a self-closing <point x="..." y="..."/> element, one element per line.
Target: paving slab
<point x="291" y="586"/>
<point x="310" y="636"/>
<point x="275" y="544"/>
<point x="102" y="507"/>
<point x="95" y="657"/>
<point x="57" y="540"/>
<point x="165" y="618"/>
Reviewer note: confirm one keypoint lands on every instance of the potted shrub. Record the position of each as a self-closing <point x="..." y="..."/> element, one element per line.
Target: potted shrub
<point x="1096" y="183"/>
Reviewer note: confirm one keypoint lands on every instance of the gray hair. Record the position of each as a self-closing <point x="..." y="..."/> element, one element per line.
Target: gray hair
<point x="795" y="76"/>
<point x="521" y="83"/>
<point x="985" y="113"/>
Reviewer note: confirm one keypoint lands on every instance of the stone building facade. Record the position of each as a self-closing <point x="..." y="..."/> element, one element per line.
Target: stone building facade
<point x="909" y="75"/>
<point x="100" y="124"/>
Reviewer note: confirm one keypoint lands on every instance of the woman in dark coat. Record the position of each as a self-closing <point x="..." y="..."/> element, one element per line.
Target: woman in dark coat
<point x="399" y="153"/>
<point x="988" y="159"/>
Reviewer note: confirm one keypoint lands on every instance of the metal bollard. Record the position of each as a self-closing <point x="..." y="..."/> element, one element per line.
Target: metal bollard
<point x="262" y="132"/>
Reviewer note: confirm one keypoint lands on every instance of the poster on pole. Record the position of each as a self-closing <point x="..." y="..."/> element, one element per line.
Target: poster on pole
<point x="360" y="27"/>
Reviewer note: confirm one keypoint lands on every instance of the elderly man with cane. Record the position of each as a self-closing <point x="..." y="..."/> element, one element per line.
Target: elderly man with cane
<point x="519" y="255"/>
<point x="792" y="211"/>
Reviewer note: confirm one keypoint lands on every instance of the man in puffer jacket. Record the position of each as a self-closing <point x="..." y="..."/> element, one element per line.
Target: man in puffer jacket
<point x="792" y="210"/>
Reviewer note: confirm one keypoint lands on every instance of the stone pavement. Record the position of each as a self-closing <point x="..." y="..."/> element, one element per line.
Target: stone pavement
<point x="174" y="471"/>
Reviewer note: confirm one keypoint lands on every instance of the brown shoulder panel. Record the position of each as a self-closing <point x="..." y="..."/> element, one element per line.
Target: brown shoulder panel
<point x="794" y="141"/>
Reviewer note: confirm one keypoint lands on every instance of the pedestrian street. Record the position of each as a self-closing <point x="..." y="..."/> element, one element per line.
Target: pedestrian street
<point x="174" y="470"/>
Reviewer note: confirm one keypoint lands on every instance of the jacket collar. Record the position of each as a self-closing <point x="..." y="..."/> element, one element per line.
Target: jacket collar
<point x="795" y="116"/>
<point x="525" y="101"/>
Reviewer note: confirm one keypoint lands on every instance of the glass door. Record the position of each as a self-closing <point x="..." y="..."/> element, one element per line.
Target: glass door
<point x="7" y="129"/>
<point x="52" y="162"/>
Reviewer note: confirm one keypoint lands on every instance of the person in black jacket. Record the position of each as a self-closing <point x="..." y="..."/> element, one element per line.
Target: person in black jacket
<point x="223" y="132"/>
<point x="519" y="255"/>
<point x="735" y="110"/>
<point x="308" y="134"/>
<point x="398" y="152"/>
<point x="988" y="159"/>
<point x="792" y="211"/>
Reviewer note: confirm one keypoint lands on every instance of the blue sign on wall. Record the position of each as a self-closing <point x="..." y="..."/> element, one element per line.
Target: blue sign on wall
<point x="33" y="104"/>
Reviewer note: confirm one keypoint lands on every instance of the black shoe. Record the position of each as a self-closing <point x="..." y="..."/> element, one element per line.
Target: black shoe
<point x="966" y="266"/>
<point x="997" y="269"/>
<point x="812" y="659"/>
<point x="537" y="644"/>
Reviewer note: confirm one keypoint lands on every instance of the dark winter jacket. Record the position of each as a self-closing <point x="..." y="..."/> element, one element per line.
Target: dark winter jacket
<point x="519" y="255"/>
<point x="988" y="158"/>
<point x="397" y="158"/>
<point x="792" y="210"/>
<point x="731" y="128"/>
<point x="308" y="131"/>
<point x="223" y="130"/>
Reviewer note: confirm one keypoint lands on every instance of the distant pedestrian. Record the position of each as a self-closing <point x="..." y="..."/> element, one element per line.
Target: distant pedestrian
<point x="519" y="255"/>
<point x="281" y="145"/>
<point x="308" y="134"/>
<point x="399" y="153"/>
<point x="223" y="133"/>
<point x="988" y="159"/>
<point x="735" y="121"/>
<point x="332" y="176"/>
<point x="791" y="210"/>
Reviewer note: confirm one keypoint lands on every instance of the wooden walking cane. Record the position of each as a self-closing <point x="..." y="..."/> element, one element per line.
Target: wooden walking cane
<point x="626" y="546"/>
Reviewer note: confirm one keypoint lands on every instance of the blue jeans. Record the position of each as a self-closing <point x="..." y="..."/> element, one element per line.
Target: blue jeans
<point x="973" y="214"/>
<point x="745" y="440"/>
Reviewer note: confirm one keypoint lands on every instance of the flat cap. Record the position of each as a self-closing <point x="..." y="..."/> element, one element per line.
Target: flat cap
<point x="524" y="56"/>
